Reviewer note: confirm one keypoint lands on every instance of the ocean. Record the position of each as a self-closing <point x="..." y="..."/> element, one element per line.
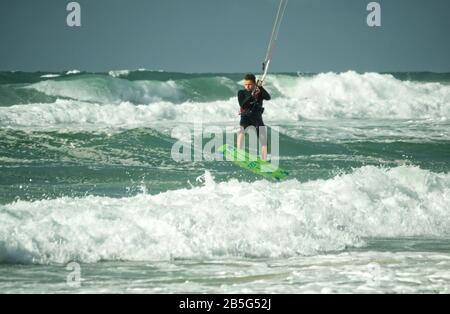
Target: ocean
<point x="92" y="200"/>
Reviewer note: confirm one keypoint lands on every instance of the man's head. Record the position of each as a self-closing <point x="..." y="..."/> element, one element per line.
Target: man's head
<point x="249" y="82"/>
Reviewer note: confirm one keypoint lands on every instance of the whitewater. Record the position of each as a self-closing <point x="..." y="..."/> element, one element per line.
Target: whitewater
<point x="87" y="176"/>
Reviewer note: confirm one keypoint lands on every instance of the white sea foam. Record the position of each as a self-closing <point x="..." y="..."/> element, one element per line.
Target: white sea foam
<point x="66" y="113"/>
<point x="234" y="219"/>
<point x="73" y="72"/>
<point x="352" y="95"/>
<point x="119" y="102"/>
<point x="81" y="115"/>
<point x="118" y="73"/>
<point x="99" y="89"/>
<point x="50" y="75"/>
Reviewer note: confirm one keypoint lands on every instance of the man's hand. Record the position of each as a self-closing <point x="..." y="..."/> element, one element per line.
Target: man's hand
<point x="256" y="91"/>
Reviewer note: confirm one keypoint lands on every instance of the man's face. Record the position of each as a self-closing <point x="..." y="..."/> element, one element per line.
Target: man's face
<point x="249" y="85"/>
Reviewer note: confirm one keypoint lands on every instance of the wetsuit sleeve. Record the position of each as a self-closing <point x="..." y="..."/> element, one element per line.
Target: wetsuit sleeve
<point x="244" y="99"/>
<point x="264" y="94"/>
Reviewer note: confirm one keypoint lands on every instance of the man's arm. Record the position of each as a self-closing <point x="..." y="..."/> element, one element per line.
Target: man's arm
<point x="244" y="100"/>
<point x="264" y="94"/>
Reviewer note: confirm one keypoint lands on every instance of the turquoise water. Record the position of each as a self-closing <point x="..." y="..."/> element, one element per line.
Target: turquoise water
<point x="87" y="175"/>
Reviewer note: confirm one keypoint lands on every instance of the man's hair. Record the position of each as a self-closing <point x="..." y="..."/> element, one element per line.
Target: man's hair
<point x="250" y="77"/>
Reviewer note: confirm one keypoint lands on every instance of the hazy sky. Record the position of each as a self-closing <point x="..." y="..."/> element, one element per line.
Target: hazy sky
<point x="224" y="35"/>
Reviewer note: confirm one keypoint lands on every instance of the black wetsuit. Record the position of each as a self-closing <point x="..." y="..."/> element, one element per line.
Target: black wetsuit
<point x="252" y="107"/>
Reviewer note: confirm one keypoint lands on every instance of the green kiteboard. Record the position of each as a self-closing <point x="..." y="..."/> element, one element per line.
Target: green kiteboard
<point x="255" y="164"/>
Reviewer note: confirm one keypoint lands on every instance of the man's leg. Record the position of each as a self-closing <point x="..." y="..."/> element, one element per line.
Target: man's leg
<point x="264" y="152"/>
<point x="262" y="135"/>
<point x="240" y="138"/>
<point x="241" y="135"/>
